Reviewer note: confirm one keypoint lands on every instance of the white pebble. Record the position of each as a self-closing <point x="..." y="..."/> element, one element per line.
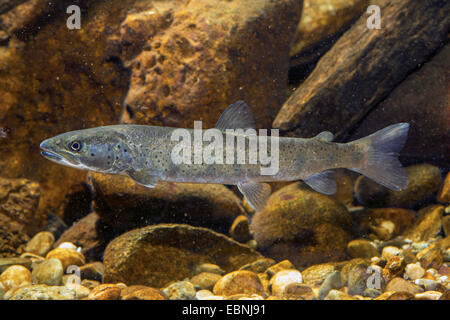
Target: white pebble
<point x="68" y="245"/>
<point x="414" y="271"/>
<point x="282" y="279"/>
<point x="203" y="294"/>
<point x="428" y="295"/>
<point x="390" y="252"/>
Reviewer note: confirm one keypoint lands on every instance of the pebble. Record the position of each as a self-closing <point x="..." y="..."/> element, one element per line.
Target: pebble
<point x="68" y="257"/>
<point x="67" y="245"/>
<point x="208" y="267"/>
<point x="205" y="280"/>
<point x="259" y="265"/>
<point x="282" y="279"/>
<point x="48" y="272"/>
<point x="43" y="292"/>
<point x="105" y="292"/>
<point x="338" y="295"/>
<point x="371" y="293"/>
<point x="252" y="297"/>
<point x="239" y="282"/>
<point x="431" y="256"/>
<point x="203" y="294"/>
<point x="357" y="278"/>
<point x="41" y="243"/>
<point x="427" y="284"/>
<point x="15" y="276"/>
<point x="141" y="293"/>
<point x="332" y="281"/>
<point x="90" y="284"/>
<point x="428" y="295"/>
<point x="80" y="290"/>
<point x="393" y="295"/>
<point x="414" y="271"/>
<point x="361" y="248"/>
<point x="399" y="284"/>
<point x="181" y="290"/>
<point x="393" y="268"/>
<point x="283" y="265"/>
<point x="299" y="291"/>
<point x="390" y="251"/>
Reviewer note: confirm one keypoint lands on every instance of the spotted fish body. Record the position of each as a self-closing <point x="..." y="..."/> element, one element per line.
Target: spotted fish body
<point x="145" y="153"/>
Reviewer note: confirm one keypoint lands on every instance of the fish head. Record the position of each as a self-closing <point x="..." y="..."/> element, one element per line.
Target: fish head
<point x="90" y="149"/>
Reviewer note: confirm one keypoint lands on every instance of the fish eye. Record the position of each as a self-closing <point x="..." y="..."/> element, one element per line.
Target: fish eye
<point x="75" y="146"/>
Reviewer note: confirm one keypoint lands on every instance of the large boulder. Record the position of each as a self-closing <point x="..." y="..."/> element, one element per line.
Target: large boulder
<point x="303" y="226"/>
<point x="126" y="205"/>
<point x="157" y="255"/>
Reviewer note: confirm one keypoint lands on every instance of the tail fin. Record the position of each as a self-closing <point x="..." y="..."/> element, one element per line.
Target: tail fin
<point x="381" y="162"/>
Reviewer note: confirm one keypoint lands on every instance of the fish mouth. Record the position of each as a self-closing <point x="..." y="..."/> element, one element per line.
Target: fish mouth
<point x="48" y="153"/>
<point x="52" y="156"/>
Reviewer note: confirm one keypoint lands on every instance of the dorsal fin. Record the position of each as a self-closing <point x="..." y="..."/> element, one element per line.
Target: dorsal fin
<point x="326" y="136"/>
<point x="236" y="116"/>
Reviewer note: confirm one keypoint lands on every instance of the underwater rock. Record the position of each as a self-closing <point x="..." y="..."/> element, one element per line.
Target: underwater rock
<point x="240" y="230"/>
<point x="126" y="205"/>
<point x="209" y="268"/>
<point x="424" y="181"/>
<point x="383" y="223"/>
<point x="41" y="243"/>
<point x="261" y="265"/>
<point x="376" y="60"/>
<point x="423" y="100"/>
<point x="431" y="256"/>
<point x="321" y="19"/>
<point x="414" y="271"/>
<point x="239" y="282"/>
<point x="444" y="192"/>
<point x="19" y="217"/>
<point x="91" y="234"/>
<point x="43" y="292"/>
<point x="402" y="285"/>
<point x="428" y="224"/>
<point x="141" y="293"/>
<point x="201" y="56"/>
<point x="303" y="226"/>
<point x="92" y="271"/>
<point x="48" y="272"/>
<point x="79" y="87"/>
<point x="157" y="255"/>
<point x="338" y="295"/>
<point x="332" y="281"/>
<point x="105" y="291"/>
<point x="361" y="248"/>
<point x="205" y="280"/>
<point x="181" y="290"/>
<point x="282" y="279"/>
<point x="68" y="257"/>
<point x="15" y="276"/>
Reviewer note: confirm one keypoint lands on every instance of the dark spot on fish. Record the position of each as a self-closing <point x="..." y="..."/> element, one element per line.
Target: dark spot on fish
<point x="92" y="154"/>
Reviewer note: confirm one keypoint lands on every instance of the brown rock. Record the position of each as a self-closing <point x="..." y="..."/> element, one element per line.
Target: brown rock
<point x="423" y="182"/>
<point x="376" y="68"/>
<point x="431" y="256"/>
<point x="105" y="292"/>
<point x="90" y="86"/>
<point x="91" y="234"/>
<point x="157" y="255"/>
<point x="239" y="282"/>
<point x="383" y="223"/>
<point x="205" y="56"/>
<point x="361" y="248"/>
<point x="283" y="265"/>
<point x="316" y="274"/>
<point x="401" y="285"/>
<point x="68" y="257"/>
<point x="427" y="225"/>
<point x="338" y="295"/>
<point x="141" y="293"/>
<point x="205" y="280"/>
<point x="124" y="204"/>
<point x="444" y="192"/>
<point x="92" y="271"/>
<point x="261" y="265"/>
<point x="299" y="291"/>
<point x="393" y="295"/>
<point x="303" y="226"/>
<point x="427" y="90"/>
<point x="239" y="230"/>
<point x="76" y="204"/>
<point x="394" y="268"/>
<point x="15" y="276"/>
<point x="41" y="243"/>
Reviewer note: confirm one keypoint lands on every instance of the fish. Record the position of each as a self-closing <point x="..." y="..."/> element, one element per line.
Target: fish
<point x="148" y="155"/>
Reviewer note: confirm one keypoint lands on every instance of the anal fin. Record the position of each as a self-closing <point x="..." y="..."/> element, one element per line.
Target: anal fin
<point x="143" y="178"/>
<point x="322" y="182"/>
<point x="256" y="194"/>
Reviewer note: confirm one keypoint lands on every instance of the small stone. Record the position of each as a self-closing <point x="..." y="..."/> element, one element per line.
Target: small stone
<point x="361" y="248"/>
<point x="5" y="263"/>
<point x="41" y="243"/>
<point x="43" y="292"/>
<point x="80" y="290"/>
<point x="15" y="276"/>
<point x="427" y="284"/>
<point x="259" y="265"/>
<point x="92" y="271"/>
<point x="431" y="256"/>
<point x="141" y="293"/>
<point x="428" y="295"/>
<point x="90" y="284"/>
<point x="393" y="295"/>
<point x="239" y="282"/>
<point x="332" y="281"/>
<point x="48" y="272"/>
<point x="315" y="275"/>
<point x="208" y="267"/>
<point x="371" y="293"/>
<point x="67" y="245"/>
<point x="399" y="284"/>
<point x="283" y="265"/>
<point x="240" y="230"/>
<point x="357" y="278"/>
<point x="252" y="244"/>
<point x="393" y="268"/>
<point x="203" y="294"/>
<point x="68" y="257"/>
<point x="338" y="295"/>
<point x="414" y="271"/>
<point x="427" y="225"/>
<point x="105" y="292"/>
<point x="299" y="291"/>
<point x="205" y="280"/>
<point x="181" y="290"/>
<point x="390" y="251"/>
<point x="282" y="279"/>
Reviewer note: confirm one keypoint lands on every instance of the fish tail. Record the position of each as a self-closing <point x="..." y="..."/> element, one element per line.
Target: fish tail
<point x="380" y="160"/>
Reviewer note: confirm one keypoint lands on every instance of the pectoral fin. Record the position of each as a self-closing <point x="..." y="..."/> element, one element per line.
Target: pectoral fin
<point x="143" y="178"/>
<point x="255" y="193"/>
<point x="322" y="182"/>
